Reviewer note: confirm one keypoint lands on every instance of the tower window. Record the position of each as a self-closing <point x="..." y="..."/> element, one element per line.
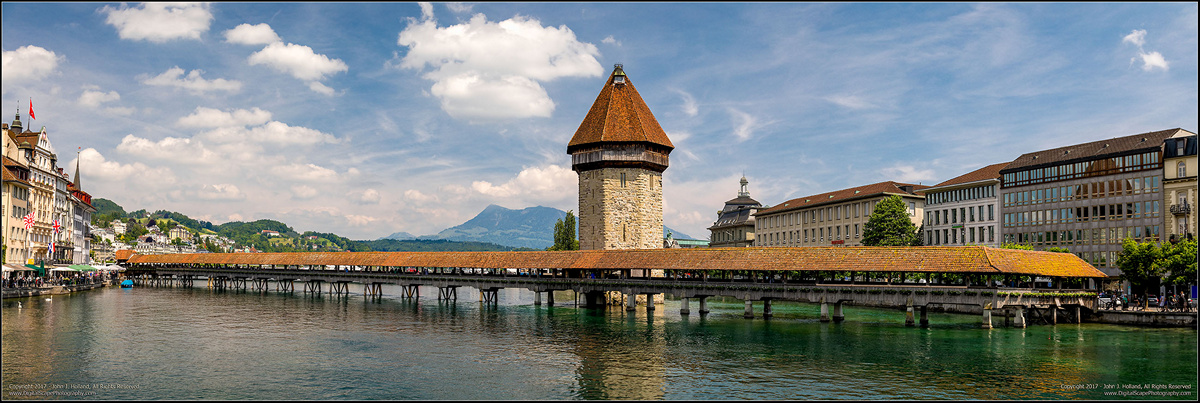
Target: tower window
<point x="622" y="179"/>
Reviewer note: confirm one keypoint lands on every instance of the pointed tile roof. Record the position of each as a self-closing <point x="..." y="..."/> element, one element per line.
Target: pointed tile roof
<point x="619" y="115"/>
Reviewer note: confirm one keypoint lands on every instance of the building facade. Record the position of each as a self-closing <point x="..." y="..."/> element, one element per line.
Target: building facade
<point x="620" y="153"/>
<point x="734" y="227"/>
<point x="965" y="210"/>
<point x="15" y="200"/>
<point x="1087" y="197"/>
<point x="81" y="234"/>
<point x="1179" y="187"/>
<point x="832" y="219"/>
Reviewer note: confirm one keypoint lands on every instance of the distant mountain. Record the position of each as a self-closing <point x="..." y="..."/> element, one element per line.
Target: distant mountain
<point x="400" y="236"/>
<point x="532" y="227"/>
<point x="676" y="234"/>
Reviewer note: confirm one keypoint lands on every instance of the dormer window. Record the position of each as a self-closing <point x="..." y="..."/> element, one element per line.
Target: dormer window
<point x="619" y="79"/>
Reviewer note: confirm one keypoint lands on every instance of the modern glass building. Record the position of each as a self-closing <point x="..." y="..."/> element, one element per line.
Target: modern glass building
<point x="1087" y="197"/>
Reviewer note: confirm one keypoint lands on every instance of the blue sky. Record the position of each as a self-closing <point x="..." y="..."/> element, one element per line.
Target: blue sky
<point x="365" y="119"/>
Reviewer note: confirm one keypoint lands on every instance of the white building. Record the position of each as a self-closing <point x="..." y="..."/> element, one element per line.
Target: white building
<point x="965" y="210"/>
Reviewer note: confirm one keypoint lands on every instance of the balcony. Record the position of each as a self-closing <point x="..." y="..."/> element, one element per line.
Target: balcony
<point x="1181" y="209"/>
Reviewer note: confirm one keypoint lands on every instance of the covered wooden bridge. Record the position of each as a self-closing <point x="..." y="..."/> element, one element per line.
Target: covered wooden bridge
<point x="884" y="276"/>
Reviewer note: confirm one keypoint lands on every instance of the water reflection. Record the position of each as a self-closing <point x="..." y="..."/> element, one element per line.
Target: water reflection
<point x="195" y="343"/>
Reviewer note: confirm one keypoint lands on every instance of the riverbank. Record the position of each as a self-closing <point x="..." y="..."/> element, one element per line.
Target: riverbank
<point x="25" y="292"/>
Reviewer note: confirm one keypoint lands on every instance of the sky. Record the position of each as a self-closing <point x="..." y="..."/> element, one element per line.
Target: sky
<point x="366" y="119"/>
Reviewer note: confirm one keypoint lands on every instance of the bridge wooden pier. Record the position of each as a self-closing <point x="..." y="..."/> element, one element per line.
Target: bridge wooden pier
<point x="912" y="279"/>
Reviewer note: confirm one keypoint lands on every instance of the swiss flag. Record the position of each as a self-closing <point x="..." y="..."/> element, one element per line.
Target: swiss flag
<point x="31" y="109"/>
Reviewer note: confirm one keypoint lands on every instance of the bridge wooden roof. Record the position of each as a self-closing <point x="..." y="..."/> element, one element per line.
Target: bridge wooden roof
<point x="925" y="259"/>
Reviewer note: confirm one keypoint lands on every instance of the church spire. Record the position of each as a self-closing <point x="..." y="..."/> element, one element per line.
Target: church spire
<point x="77" y="169"/>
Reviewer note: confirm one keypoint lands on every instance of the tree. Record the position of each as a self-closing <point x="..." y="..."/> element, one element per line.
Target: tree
<point x="1139" y="264"/>
<point x="1018" y="246"/>
<point x="1179" y="262"/>
<point x="889" y="225"/>
<point x="564" y="233"/>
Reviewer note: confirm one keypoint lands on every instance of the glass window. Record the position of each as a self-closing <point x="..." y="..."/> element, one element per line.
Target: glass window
<point x="1182" y="170"/>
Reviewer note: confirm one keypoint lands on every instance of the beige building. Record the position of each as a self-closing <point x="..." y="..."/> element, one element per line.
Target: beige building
<point x="1179" y="187"/>
<point x="620" y="153"/>
<point x="832" y="219"/>
<point x="734" y="227"/>
<point x="15" y="200"/>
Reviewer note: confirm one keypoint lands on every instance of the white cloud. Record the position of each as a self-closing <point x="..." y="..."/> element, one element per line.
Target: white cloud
<point x="304" y="172"/>
<point x="472" y="96"/>
<point x="369" y="196"/>
<point x="28" y="63"/>
<point x="93" y="98"/>
<point x="217" y="192"/>
<point x="94" y="166"/>
<point x="689" y="104"/>
<point x="850" y="101"/>
<point x="417" y="196"/>
<point x="273" y="133"/>
<point x="746" y="124"/>
<point x="208" y="117"/>
<point x="908" y="174"/>
<point x="319" y="88"/>
<point x="610" y="40"/>
<point x="303" y="192"/>
<point x="247" y="34"/>
<point x="549" y="184"/>
<point x="457" y="7"/>
<point x="426" y="10"/>
<point x="359" y="220"/>
<point x="160" y="22"/>
<point x="484" y="69"/>
<point x="1137" y="37"/>
<point x="298" y="60"/>
<point x="171" y="149"/>
<point x="174" y="77"/>
<point x="1153" y="60"/>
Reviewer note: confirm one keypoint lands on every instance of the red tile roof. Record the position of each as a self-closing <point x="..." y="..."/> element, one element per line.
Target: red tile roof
<point x="619" y="115"/>
<point x="8" y="176"/>
<point x="988" y="172"/>
<point x="865" y="191"/>
<point x="931" y="259"/>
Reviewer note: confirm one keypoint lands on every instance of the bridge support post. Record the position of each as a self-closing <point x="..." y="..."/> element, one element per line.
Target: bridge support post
<point x="924" y="322"/>
<point x="908" y="314"/>
<point x="1019" y="317"/>
<point x="649" y="302"/>
<point x="285" y="285"/>
<point x="411" y="291"/>
<point x="824" y="310"/>
<point x="448" y="293"/>
<point x="537" y="298"/>
<point x="1077" y="318"/>
<point x="549" y="297"/>
<point x="749" y="309"/>
<point x="630" y="302"/>
<point x="703" y="305"/>
<point x="683" y="307"/>
<point x="987" y="317"/>
<point x="837" y="312"/>
<point x="593" y="299"/>
<point x="489" y="296"/>
<point x="767" y="309"/>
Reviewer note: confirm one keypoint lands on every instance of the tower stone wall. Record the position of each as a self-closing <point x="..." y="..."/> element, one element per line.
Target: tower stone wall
<point x="620" y="213"/>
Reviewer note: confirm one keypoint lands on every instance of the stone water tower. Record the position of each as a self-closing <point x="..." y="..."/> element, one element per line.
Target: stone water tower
<point x="620" y="153"/>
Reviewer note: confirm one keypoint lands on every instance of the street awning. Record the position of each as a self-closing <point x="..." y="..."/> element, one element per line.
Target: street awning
<point x="61" y="269"/>
<point x="41" y="270"/>
<point x="8" y="268"/>
<point x="82" y="267"/>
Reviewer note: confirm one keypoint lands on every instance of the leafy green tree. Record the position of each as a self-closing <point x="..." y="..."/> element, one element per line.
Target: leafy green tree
<point x="1018" y="246"/>
<point x="1058" y="250"/>
<point x="1178" y="261"/>
<point x="1139" y="264"/>
<point x="564" y="233"/>
<point x="889" y="225"/>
